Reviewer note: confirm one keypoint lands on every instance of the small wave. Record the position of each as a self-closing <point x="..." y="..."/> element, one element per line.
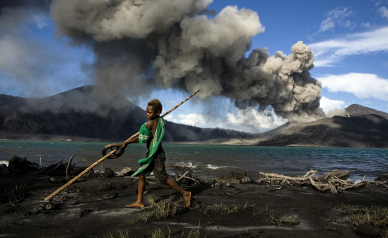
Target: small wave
<point x="186" y="164"/>
<point x="4" y="162"/>
<point x="210" y="166"/>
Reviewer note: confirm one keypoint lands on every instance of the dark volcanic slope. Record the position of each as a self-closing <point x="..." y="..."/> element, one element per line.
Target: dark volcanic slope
<point x="358" y="109"/>
<point x="369" y="131"/>
<point x="83" y="112"/>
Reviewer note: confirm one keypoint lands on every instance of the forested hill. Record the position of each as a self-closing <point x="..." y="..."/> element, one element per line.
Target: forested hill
<point x="81" y="112"/>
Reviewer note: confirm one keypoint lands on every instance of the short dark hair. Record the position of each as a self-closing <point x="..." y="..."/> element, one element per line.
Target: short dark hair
<point x="156" y="105"/>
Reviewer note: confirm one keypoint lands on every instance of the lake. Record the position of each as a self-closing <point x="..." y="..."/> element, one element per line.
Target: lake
<point x="212" y="160"/>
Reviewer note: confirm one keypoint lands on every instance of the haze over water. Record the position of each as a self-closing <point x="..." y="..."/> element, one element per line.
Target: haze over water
<point x="212" y="160"/>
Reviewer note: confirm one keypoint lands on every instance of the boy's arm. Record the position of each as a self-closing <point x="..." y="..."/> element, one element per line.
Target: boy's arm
<point x="125" y="143"/>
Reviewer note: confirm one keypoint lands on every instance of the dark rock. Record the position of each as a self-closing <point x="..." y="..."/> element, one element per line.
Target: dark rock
<point x="382" y="177"/>
<point x="3" y="166"/>
<point x="77" y="170"/>
<point x="105" y="186"/>
<point x="344" y="175"/>
<point x="218" y="186"/>
<point x="110" y="195"/>
<point x="84" y="212"/>
<point x="234" y="175"/>
<point x="89" y="174"/>
<point x="322" y="177"/>
<point x="108" y="173"/>
<point x="122" y="186"/>
<point x="368" y="230"/>
<point x="21" y="165"/>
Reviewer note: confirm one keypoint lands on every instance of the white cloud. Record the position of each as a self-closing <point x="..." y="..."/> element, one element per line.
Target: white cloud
<point x="171" y="103"/>
<point x="251" y="120"/>
<point x="366" y="25"/>
<point x="337" y="17"/>
<point x="195" y="119"/>
<point x="170" y="117"/>
<point x="40" y="20"/>
<point x="378" y="2"/>
<point x="329" y="105"/>
<point x="248" y="120"/>
<point x="361" y="85"/>
<point x="383" y="12"/>
<point x="331" y="51"/>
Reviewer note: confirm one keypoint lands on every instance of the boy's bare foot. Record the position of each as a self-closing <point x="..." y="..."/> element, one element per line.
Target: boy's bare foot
<point x="135" y="205"/>
<point x="187" y="198"/>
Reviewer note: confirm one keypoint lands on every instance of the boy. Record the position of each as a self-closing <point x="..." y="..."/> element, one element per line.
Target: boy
<point x="152" y="133"/>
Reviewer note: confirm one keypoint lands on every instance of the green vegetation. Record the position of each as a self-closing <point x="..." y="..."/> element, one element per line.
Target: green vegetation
<point x="118" y="234"/>
<point x="374" y="215"/>
<point x="158" y="233"/>
<point x="164" y="209"/>
<point x="284" y="220"/>
<point x="226" y="210"/>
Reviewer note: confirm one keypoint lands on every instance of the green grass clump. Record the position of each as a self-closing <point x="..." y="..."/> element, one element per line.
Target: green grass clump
<point x="284" y="220"/>
<point x="373" y="215"/>
<point x="226" y="210"/>
<point x="164" y="209"/>
<point x="118" y="234"/>
<point x="158" y="233"/>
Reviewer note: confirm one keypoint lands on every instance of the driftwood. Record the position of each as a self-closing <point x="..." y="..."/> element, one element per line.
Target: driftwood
<point x="322" y="183"/>
<point x="68" y="166"/>
<point x="183" y="176"/>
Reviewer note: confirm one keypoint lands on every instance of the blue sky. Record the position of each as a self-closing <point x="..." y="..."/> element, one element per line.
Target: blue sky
<point x="349" y="40"/>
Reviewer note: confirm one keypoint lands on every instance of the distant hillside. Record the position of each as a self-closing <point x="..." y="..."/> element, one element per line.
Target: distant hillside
<point x="358" y="109"/>
<point x="359" y="129"/>
<point x="84" y="112"/>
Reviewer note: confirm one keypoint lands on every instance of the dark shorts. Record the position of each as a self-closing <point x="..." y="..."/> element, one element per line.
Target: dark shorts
<point x="158" y="167"/>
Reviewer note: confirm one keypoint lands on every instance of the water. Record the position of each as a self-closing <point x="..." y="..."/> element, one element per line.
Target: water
<point x="212" y="160"/>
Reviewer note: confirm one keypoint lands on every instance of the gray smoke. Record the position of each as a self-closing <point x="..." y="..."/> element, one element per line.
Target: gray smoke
<point x="140" y="44"/>
<point x="28" y="65"/>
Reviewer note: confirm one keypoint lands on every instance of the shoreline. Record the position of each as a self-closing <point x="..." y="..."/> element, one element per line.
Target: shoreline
<point x="221" y="141"/>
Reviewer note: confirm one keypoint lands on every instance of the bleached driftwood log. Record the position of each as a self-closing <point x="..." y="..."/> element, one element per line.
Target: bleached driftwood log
<point x="322" y="183"/>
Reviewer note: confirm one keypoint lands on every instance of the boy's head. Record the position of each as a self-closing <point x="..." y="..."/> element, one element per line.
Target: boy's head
<point x="154" y="109"/>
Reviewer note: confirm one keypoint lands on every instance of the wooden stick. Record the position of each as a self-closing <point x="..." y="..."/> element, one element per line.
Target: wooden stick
<point x="78" y="176"/>
<point x="183" y="176"/>
<point x="107" y="155"/>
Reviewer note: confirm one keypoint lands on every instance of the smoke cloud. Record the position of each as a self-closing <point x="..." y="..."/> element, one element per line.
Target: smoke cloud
<point x="140" y="45"/>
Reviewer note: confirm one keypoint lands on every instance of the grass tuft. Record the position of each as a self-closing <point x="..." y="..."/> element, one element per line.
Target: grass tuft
<point x="373" y="215"/>
<point x="284" y="220"/>
<point x="164" y="209"/>
<point x="158" y="233"/>
<point x="226" y="210"/>
<point x="118" y="234"/>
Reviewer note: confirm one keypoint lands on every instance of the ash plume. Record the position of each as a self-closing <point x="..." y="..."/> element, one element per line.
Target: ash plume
<point x="140" y="44"/>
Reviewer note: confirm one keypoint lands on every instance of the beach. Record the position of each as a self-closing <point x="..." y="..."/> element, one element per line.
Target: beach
<point x="95" y="207"/>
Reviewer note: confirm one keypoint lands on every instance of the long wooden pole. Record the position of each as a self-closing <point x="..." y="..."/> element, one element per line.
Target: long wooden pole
<point x="107" y="155"/>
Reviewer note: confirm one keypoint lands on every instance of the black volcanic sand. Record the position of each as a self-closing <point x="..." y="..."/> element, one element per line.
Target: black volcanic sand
<point x="87" y="209"/>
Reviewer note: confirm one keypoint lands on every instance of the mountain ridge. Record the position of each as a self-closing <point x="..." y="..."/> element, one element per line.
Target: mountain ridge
<point x="84" y="112"/>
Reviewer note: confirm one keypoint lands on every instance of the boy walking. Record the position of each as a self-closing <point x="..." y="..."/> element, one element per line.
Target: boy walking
<point x="152" y="133"/>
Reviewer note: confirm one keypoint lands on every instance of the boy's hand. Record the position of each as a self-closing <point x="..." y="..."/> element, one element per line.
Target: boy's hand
<point x="123" y="145"/>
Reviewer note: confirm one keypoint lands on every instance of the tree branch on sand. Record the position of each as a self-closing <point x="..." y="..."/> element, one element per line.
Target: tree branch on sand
<point x="335" y="181"/>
